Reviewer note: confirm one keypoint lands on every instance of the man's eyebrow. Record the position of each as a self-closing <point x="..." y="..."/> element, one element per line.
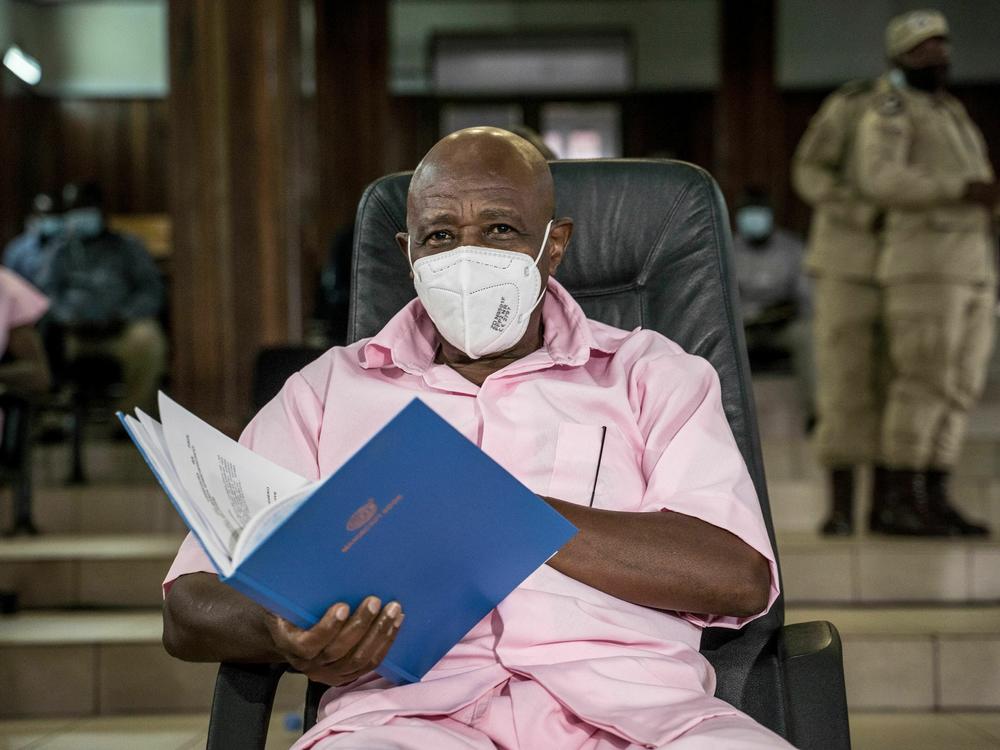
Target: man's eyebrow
<point x="436" y="217"/>
<point x="492" y="212"/>
<point x="500" y="213"/>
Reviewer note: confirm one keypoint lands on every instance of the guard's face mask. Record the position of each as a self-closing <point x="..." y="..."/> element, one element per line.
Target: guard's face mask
<point x="930" y="78"/>
<point x="49" y="226"/>
<point x="755" y="223"/>
<point x="84" y="223"/>
<point x="479" y="298"/>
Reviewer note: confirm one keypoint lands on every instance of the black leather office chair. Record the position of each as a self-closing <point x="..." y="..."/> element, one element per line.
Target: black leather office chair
<point x="273" y="366"/>
<point x="15" y="460"/>
<point x="651" y="248"/>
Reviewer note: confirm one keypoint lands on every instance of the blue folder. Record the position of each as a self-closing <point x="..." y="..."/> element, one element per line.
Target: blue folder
<point x="419" y="515"/>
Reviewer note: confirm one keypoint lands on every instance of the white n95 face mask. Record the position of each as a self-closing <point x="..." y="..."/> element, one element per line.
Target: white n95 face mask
<point x="480" y="299"/>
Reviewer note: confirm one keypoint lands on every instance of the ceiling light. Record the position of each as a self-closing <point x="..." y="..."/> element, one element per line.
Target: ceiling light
<point x="23" y="66"/>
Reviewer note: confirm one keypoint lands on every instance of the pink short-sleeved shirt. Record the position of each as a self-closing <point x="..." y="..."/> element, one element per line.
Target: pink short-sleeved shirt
<point x="20" y="305"/>
<point x="623" y="418"/>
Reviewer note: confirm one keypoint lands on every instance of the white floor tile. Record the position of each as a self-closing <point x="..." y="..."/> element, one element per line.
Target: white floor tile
<point x="22" y="734"/>
<point x="987" y="723"/>
<point x="128" y="733"/>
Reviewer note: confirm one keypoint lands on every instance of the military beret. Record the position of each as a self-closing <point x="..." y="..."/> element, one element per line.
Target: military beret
<point x="906" y="31"/>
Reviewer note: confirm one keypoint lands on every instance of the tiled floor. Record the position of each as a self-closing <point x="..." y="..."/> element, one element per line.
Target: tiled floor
<point x="895" y="731"/>
<point x="183" y="732"/>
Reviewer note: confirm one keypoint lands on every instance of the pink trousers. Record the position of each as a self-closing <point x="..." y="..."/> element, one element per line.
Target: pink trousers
<point x="521" y="715"/>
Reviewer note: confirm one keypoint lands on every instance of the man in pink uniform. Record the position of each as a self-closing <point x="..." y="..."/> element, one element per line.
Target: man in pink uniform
<point x="21" y="307"/>
<point x="621" y="432"/>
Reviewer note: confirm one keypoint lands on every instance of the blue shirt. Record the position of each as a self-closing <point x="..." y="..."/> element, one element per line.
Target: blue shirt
<point x="29" y="255"/>
<point x="105" y="279"/>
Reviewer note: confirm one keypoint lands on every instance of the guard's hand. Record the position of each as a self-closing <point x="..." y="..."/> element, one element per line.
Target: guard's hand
<point x="984" y="193"/>
<point x="342" y="646"/>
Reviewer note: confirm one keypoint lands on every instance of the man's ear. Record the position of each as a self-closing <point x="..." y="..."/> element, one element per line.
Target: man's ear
<point x="401" y="238"/>
<point x="559" y="235"/>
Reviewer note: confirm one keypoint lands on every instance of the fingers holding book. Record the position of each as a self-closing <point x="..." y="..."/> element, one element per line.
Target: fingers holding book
<point x="342" y="646"/>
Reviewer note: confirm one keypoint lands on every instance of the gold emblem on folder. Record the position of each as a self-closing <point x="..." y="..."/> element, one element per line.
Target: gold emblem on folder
<point x="362" y="515"/>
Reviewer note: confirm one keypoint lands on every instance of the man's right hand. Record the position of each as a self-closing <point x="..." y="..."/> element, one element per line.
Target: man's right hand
<point x="342" y="646"/>
<point x="986" y="194"/>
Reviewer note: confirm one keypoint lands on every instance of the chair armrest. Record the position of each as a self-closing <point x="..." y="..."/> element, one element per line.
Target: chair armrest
<point x="812" y="664"/>
<point x="241" y="705"/>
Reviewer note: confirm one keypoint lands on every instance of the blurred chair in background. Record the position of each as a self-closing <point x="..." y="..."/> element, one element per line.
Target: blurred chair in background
<point x="274" y="365"/>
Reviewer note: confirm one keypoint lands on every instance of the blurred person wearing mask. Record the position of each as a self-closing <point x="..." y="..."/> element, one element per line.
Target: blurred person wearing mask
<point x="30" y="253"/>
<point x="848" y="337"/>
<point x="774" y="295"/>
<point x="107" y="292"/>
<point x="923" y="159"/>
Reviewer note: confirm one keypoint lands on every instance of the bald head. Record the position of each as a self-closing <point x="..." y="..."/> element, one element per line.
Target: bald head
<point x="481" y="158"/>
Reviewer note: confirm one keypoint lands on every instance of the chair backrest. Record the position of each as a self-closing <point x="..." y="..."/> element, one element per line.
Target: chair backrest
<point x="651" y="247"/>
<point x="273" y="366"/>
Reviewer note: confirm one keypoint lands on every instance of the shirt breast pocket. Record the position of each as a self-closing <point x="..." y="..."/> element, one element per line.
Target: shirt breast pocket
<point x="577" y="464"/>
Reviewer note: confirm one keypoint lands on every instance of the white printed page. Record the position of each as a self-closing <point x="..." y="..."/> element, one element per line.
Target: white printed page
<point x="232" y="482"/>
<point x="214" y="530"/>
<point x="262" y="524"/>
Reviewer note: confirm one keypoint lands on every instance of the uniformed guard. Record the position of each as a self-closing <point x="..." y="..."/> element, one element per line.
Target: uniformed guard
<point x="847" y="314"/>
<point x="921" y="157"/>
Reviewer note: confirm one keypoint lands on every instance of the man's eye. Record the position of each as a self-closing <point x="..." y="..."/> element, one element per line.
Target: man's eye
<point x="501" y="229"/>
<point x="439" y="236"/>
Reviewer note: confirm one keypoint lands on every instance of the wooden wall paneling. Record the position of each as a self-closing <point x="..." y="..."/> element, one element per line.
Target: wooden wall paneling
<point x="30" y="155"/>
<point x="352" y="104"/>
<point x="678" y="124"/>
<point x="747" y="115"/>
<point x="9" y="224"/>
<point x="234" y="132"/>
<point x="122" y="143"/>
<point x="983" y="103"/>
<point x="413" y="129"/>
<point x="313" y="249"/>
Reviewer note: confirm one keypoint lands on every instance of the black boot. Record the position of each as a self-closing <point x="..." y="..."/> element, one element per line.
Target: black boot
<point x="906" y="509"/>
<point x="841" y="520"/>
<point x="880" y="490"/>
<point x="939" y="497"/>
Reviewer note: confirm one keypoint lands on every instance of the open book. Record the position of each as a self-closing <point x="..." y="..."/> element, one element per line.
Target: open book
<point x="419" y="515"/>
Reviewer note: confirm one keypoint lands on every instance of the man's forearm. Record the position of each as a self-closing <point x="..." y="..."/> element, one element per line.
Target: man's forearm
<point x="664" y="560"/>
<point x="205" y="620"/>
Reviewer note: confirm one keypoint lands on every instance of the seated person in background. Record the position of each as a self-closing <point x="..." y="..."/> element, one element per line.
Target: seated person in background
<point x="774" y="291"/>
<point x="30" y="253"/>
<point x="24" y="370"/>
<point x="599" y="647"/>
<point x="106" y="293"/>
